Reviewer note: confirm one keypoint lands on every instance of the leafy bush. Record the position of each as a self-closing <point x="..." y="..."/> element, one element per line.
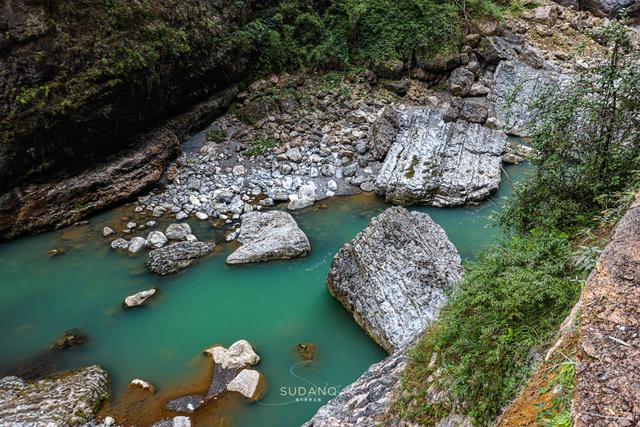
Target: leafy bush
<point x="261" y="145"/>
<point x="510" y="300"/>
<point x="587" y="142"/>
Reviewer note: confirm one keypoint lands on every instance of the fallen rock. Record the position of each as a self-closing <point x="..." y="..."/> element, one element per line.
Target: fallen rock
<point x="495" y="49"/>
<point x="473" y="112"/>
<point x="55" y="252"/>
<point x="460" y="81"/>
<point x="139" y="298"/>
<point x="441" y="164"/>
<point x="141" y="384"/>
<point x="393" y="276"/>
<point x="68" y="399"/>
<point x="155" y="240"/>
<point x="267" y="236"/>
<point x="119" y="243"/>
<point x="246" y="383"/>
<point x="382" y="133"/>
<point x="178" y="256"/>
<point x="547" y="15"/>
<point x="240" y="354"/>
<point x="107" y="231"/>
<point x="136" y="244"/>
<point x="178" y="231"/>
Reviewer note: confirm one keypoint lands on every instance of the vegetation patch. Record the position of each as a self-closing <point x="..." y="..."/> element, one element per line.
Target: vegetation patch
<point x="261" y="145"/>
<point x="216" y="135"/>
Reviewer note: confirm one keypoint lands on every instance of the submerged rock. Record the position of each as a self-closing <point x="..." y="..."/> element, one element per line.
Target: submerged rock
<point x="185" y="403"/>
<point x="178" y="256"/>
<point x="119" y="243"/>
<point x="71" y="338"/>
<point x="246" y="383"/>
<point x="68" y="399"/>
<point x="136" y="244"/>
<point x="306" y="350"/>
<point x="139" y="298"/>
<point x="239" y="355"/>
<point x="267" y="236"/>
<point x="441" y="164"/>
<point x="393" y="276"/>
<point x="108" y="231"/>
<point x="141" y="384"/>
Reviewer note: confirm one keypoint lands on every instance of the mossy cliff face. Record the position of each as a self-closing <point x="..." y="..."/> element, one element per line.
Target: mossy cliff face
<point x="79" y="78"/>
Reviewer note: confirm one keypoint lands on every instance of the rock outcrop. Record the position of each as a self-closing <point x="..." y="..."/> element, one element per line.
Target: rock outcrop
<point x="38" y="207"/>
<point x="441" y="164"/>
<point x="516" y="86"/>
<point x="68" y="399"/>
<point x="365" y="402"/>
<point x="607" y="383"/>
<point x="178" y="256"/>
<point x="393" y="276"/>
<point x="267" y="236"/>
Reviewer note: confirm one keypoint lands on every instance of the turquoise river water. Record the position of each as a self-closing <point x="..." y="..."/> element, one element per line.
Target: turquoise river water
<point x="273" y="305"/>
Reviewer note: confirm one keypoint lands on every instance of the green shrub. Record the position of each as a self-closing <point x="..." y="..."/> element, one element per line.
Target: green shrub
<point x="511" y="300"/>
<point x="216" y="135"/>
<point x="261" y="145"/>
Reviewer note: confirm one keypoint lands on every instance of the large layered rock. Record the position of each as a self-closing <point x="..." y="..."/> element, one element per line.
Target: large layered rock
<point x="365" y="402"/>
<point x="38" y="207"/>
<point x="393" y="275"/>
<point x="441" y="164"/>
<point x="68" y="399"/>
<point x="269" y="236"/>
<point x="178" y="256"/>
<point x="516" y="86"/>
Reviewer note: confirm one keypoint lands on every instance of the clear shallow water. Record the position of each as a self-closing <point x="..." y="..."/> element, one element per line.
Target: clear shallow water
<point x="274" y="306"/>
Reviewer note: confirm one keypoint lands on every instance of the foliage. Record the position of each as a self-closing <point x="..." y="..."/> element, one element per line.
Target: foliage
<point x="509" y="301"/>
<point x="216" y="135"/>
<point x="558" y="412"/>
<point x="587" y="142"/>
<point x="261" y="145"/>
<point x="584" y="257"/>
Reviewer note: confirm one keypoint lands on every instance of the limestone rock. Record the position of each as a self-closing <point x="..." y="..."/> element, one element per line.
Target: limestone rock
<point x="139" y="298"/>
<point x="393" y="276"/>
<point x="516" y="86"/>
<point x="239" y="355"/>
<point x="108" y="231"/>
<point x="460" y="81"/>
<point x="178" y="231"/>
<point x="178" y="256"/>
<point x="496" y="49"/>
<point x="68" y="399"/>
<point x="381" y="135"/>
<point x="119" y="243"/>
<point x="136" y="244"/>
<point x="364" y="402"/>
<point x="156" y="239"/>
<point x="441" y="164"/>
<point x="246" y="383"/>
<point x="267" y="236"/>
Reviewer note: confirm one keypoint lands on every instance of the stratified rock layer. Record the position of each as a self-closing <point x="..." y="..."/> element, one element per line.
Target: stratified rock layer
<point x="66" y="400"/>
<point x="441" y="164"/>
<point x="178" y="256"/>
<point x="267" y="236"/>
<point x="607" y="384"/>
<point x="365" y="401"/>
<point x="393" y="275"/>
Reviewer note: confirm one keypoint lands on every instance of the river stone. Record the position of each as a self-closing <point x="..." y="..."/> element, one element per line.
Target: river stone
<point x="142" y="384"/>
<point x="139" y="298"/>
<point x="156" y="239"/>
<point x="68" y="399"/>
<point x="178" y="256"/>
<point x="393" y="276"/>
<point x="178" y="231"/>
<point x="267" y="236"/>
<point x="107" y="231"/>
<point x="239" y="355"/>
<point x="441" y="164"/>
<point x="246" y="383"/>
<point x="119" y="243"/>
<point x="136" y="244"/>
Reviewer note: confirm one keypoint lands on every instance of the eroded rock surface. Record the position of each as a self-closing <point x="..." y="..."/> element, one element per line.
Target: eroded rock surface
<point x="607" y="384"/>
<point x="139" y="298"/>
<point x="68" y="399"/>
<point x="441" y="164"/>
<point x="178" y="256"/>
<point x="267" y="236"/>
<point x="393" y="275"/>
<point x="365" y="401"/>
